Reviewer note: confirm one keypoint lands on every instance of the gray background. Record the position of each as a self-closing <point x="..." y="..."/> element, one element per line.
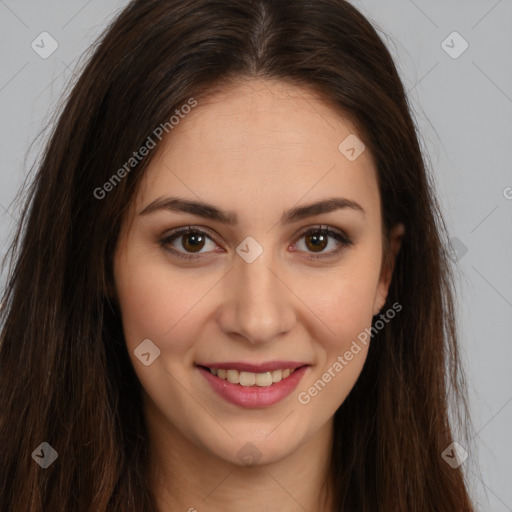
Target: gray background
<point x="463" y="108"/>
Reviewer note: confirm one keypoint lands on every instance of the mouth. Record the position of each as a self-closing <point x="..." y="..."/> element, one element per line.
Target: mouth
<point x="249" y="385"/>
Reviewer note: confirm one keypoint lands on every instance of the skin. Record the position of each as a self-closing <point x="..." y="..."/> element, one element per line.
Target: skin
<point x="258" y="148"/>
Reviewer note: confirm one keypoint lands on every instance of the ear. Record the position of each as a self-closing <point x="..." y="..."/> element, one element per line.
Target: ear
<point x="110" y="288"/>
<point x="388" y="265"/>
<point x="111" y="292"/>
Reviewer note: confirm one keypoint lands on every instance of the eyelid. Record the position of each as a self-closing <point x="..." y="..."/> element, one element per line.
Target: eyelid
<point x="321" y="227"/>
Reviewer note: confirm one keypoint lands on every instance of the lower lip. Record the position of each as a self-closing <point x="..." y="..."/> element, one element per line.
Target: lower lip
<point x="254" y="396"/>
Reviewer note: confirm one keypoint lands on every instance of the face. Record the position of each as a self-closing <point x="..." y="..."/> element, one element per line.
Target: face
<point x="219" y="303"/>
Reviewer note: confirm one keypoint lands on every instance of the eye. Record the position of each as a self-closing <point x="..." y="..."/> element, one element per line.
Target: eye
<point x="317" y="239"/>
<point x="193" y="240"/>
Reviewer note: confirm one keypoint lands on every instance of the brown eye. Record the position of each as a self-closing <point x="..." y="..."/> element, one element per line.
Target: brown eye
<point x="316" y="242"/>
<point x="187" y="242"/>
<point x="193" y="242"/>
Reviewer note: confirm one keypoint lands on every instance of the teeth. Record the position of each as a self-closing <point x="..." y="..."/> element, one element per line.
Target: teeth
<point x="247" y="379"/>
<point x="277" y="376"/>
<point x="251" y="379"/>
<point x="263" y="379"/>
<point x="233" y="376"/>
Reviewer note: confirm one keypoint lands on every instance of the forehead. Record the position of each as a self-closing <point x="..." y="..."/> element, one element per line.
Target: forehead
<point x="261" y="144"/>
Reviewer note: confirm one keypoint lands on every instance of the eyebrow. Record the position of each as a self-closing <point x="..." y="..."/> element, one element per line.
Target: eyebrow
<point x="209" y="211"/>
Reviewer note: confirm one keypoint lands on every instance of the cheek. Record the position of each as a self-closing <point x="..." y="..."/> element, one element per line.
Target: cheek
<point x="345" y="309"/>
<point x="154" y="305"/>
<point x="344" y="302"/>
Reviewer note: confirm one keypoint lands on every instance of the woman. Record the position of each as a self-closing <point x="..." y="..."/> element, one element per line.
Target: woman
<point x="230" y="286"/>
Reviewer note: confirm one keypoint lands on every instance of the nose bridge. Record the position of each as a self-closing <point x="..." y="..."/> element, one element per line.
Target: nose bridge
<point x="259" y="306"/>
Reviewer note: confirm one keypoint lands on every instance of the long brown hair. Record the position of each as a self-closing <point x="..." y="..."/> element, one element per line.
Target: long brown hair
<point x="65" y="375"/>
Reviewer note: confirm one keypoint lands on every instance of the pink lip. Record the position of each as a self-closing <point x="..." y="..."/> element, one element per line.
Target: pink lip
<point x="254" y="396"/>
<point x="254" y="368"/>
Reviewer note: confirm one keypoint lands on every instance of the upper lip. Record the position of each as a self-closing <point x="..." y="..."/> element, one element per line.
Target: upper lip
<point x="254" y="368"/>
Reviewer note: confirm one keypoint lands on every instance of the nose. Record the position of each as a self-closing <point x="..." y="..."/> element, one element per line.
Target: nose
<point x="258" y="304"/>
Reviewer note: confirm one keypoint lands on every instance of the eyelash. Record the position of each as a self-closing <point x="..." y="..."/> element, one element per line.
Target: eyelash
<point x="340" y="237"/>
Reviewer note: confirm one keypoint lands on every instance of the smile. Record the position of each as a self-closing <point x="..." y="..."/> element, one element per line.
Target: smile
<point x="248" y="385"/>
<point x="250" y="378"/>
